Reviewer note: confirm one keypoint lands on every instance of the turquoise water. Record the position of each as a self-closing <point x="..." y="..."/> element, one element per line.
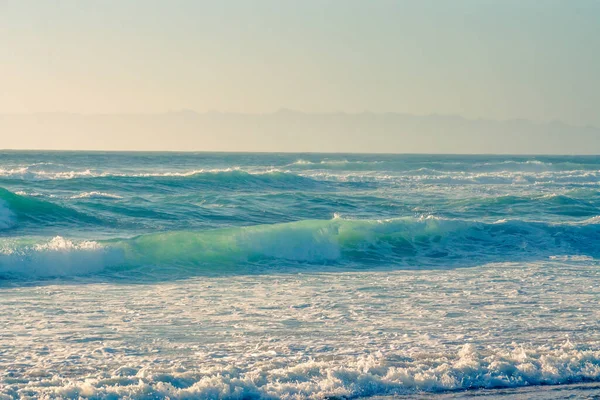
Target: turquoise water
<point x="222" y="275"/>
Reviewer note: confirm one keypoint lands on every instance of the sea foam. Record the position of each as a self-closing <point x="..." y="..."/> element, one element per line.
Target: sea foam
<point x="54" y="258"/>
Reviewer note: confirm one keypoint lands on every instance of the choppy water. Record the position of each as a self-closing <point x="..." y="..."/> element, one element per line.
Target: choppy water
<point x="216" y="275"/>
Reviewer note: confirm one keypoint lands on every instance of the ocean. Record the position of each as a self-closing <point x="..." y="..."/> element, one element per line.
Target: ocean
<point x="247" y="275"/>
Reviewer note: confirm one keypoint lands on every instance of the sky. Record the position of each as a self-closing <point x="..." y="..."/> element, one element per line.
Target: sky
<point x="502" y="59"/>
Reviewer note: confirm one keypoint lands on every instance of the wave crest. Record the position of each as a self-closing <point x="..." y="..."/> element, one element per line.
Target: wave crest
<point x="96" y="195"/>
<point x="426" y="242"/>
<point x="15" y="208"/>
<point x="57" y="257"/>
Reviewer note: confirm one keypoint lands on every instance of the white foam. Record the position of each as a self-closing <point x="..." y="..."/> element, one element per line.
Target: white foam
<point x="56" y="257"/>
<point x="567" y="257"/>
<point x="28" y="174"/>
<point x="33" y="194"/>
<point x="96" y="195"/>
<point x="302" y="162"/>
<point x="296" y="336"/>
<point x="257" y="171"/>
<point x="419" y="176"/>
<point x="428" y="176"/>
<point x="334" y="162"/>
<point x="592" y="220"/>
<point x="346" y="378"/>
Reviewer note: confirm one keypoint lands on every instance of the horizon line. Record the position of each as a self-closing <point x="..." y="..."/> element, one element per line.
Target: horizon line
<point x="303" y="152"/>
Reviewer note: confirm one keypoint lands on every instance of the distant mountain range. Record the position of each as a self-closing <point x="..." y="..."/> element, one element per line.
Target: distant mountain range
<point x="292" y="131"/>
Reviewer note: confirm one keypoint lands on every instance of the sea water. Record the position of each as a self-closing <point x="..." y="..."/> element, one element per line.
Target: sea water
<point x="221" y="275"/>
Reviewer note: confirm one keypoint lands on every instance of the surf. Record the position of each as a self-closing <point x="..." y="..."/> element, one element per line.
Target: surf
<point x="401" y="243"/>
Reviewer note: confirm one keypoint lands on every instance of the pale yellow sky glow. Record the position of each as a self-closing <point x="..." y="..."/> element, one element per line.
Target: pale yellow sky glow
<point x="475" y="58"/>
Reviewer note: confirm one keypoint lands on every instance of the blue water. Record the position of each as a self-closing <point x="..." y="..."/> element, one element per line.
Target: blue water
<point x="295" y="275"/>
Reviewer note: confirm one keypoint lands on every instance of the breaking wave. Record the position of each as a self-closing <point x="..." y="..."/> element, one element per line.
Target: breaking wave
<point x="96" y="195"/>
<point x="25" y="173"/>
<point x="426" y="242"/>
<point x="405" y="373"/>
<point x="344" y="171"/>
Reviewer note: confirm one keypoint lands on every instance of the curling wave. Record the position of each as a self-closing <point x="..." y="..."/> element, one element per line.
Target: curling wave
<point x="427" y="242"/>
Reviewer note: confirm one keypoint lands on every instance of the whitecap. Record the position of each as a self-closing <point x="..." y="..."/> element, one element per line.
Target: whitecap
<point x="96" y="195"/>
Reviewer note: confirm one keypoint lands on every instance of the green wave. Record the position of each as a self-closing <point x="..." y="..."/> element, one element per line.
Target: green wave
<point x="31" y="209"/>
<point x="396" y="243"/>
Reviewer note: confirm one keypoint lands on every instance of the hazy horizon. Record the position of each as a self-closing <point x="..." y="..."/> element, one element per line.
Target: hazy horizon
<point x="296" y="132"/>
<point x="480" y="60"/>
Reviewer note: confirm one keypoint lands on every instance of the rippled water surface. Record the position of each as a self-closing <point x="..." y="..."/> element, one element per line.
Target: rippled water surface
<point x="216" y="275"/>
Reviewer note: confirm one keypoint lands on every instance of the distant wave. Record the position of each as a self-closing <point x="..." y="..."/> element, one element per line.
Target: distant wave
<point x="37" y="209"/>
<point x="397" y="243"/>
<point x="533" y="166"/>
<point x="444" y="166"/>
<point x="326" y="163"/>
<point x="431" y="176"/>
<point x="574" y="203"/>
<point x="16" y="208"/>
<point x="96" y="195"/>
<point x="342" y="171"/>
<point x="215" y="175"/>
<point x="29" y="172"/>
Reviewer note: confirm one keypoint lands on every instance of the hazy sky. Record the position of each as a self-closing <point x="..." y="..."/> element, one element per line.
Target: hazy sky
<point x="534" y="59"/>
